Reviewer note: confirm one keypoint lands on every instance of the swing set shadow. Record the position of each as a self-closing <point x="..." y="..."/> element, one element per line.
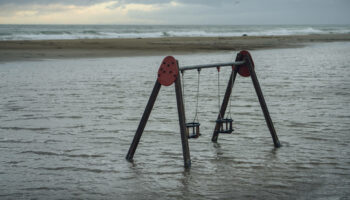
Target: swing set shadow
<point x="168" y="74"/>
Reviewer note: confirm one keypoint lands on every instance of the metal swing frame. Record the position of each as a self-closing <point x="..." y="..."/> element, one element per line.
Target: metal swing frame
<point x="168" y="73"/>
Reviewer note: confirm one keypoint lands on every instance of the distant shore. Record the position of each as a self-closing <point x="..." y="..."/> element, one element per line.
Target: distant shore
<point x="94" y="48"/>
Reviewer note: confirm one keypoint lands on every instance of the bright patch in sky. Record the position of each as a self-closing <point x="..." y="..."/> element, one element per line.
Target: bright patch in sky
<point x="105" y="12"/>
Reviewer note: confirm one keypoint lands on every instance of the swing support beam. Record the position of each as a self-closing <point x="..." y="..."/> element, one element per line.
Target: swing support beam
<point x="263" y="105"/>
<point x="228" y="64"/>
<point x="168" y="73"/>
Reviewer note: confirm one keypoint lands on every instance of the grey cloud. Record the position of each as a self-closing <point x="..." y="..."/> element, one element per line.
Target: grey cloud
<point x="254" y="12"/>
<point x="221" y="11"/>
<point x="47" y="2"/>
<point x="186" y="2"/>
<point x="120" y="2"/>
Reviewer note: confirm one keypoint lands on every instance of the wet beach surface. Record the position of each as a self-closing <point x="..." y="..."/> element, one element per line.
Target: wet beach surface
<point x="25" y="50"/>
<point x="66" y="126"/>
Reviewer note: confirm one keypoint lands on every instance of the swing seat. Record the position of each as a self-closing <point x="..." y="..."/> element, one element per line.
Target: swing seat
<point x="195" y="129"/>
<point x="225" y="125"/>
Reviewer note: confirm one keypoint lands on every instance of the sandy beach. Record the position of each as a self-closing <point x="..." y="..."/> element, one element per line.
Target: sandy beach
<point x="81" y="48"/>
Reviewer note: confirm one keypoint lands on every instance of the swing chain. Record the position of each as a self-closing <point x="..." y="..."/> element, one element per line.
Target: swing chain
<point x="218" y="68"/>
<point x="183" y="87"/>
<point x="197" y="100"/>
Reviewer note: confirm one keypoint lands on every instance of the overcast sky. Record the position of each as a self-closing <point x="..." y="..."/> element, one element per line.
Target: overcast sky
<point x="175" y="12"/>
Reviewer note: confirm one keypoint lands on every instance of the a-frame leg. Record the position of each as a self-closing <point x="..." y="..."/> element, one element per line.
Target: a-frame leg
<point x="263" y="104"/>
<point x="224" y="103"/>
<point x="182" y="123"/>
<point x="143" y="121"/>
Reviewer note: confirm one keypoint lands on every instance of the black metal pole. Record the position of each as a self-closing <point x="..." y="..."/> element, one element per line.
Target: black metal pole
<point x="263" y="104"/>
<point x="224" y="103"/>
<point x="143" y="121"/>
<point x="182" y="123"/>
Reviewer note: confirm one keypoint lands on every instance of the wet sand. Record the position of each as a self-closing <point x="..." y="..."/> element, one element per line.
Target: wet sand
<point x="82" y="48"/>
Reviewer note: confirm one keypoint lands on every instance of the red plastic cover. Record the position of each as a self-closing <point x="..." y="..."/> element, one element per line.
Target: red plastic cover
<point x="168" y="71"/>
<point x="243" y="69"/>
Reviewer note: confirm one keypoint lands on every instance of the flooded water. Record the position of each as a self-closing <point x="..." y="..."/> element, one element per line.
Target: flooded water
<point x="66" y="126"/>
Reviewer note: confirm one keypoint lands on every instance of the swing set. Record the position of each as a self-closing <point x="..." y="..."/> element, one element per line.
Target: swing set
<point x="168" y="74"/>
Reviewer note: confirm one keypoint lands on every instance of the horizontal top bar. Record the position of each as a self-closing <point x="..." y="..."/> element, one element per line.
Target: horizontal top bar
<point x="211" y="65"/>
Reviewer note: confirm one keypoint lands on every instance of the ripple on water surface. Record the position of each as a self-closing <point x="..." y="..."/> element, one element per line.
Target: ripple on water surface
<point x="66" y="125"/>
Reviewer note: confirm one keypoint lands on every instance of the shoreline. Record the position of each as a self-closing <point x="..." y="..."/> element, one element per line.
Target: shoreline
<point x="121" y="47"/>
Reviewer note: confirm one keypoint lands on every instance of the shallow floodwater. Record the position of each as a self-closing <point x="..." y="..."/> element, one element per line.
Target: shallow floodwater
<point x="66" y="126"/>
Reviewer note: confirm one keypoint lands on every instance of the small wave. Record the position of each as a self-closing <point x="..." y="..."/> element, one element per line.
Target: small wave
<point x="315" y="138"/>
<point x="54" y="32"/>
<point x="77" y="169"/>
<point x="46" y="153"/>
<point x="101" y="142"/>
<point x="44" y="188"/>
<point x="51" y="141"/>
<point x="91" y="32"/>
<point x="68" y="117"/>
<point x="24" y="128"/>
<point x="105" y="138"/>
<point x="14" y="141"/>
<point x="14" y="162"/>
<point x="165" y="34"/>
<point x="77" y="126"/>
<point x="41" y="153"/>
<point x="83" y="156"/>
<point x="14" y="108"/>
<point x="110" y="107"/>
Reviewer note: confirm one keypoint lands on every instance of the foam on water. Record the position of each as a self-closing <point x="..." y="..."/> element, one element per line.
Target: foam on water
<point x="51" y="32"/>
